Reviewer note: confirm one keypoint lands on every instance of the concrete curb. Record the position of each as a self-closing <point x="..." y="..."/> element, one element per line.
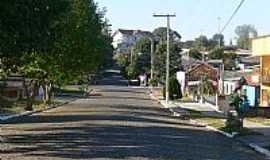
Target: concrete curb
<point x="260" y="149"/>
<point x="221" y="132"/>
<point x="253" y="146"/>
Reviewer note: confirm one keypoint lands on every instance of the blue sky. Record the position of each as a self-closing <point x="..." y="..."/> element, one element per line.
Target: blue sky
<point x="194" y="17"/>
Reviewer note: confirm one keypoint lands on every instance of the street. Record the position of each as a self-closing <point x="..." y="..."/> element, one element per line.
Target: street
<point x="120" y="122"/>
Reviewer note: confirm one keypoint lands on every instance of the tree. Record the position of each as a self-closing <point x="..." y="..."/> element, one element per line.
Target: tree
<point x="175" y="91"/>
<point x="160" y="60"/>
<point x="143" y="45"/>
<point x="205" y="87"/>
<point x="241" y="106"/>
<point x="229" y="60"/>
<point x="216" y="53"/>
<point x="244" y="34"/>
<point x="28" y="31"/>
<point x="201" y="43"/>
<point x="161" y="34"/>
<point x="216" y="40"/>
<point x="188" y="44"/>
<point x="52" y="42"/>
<point x="194" y="53"/>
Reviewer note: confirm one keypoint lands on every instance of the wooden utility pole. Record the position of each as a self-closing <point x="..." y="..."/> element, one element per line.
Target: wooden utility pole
<point x="168" y="51"/>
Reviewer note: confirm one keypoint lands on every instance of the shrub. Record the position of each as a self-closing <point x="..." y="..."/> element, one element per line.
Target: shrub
<point x="154" y="82"/>
<point x="174" y="89"/>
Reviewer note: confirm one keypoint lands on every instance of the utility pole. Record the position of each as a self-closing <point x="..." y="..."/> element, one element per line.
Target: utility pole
<point x="152" y="59"/>
<point x="168" y="51"/>
<point x="221" y="72"/>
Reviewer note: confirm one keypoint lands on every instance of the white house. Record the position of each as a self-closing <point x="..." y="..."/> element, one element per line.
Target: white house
<point x="123" y="39"/>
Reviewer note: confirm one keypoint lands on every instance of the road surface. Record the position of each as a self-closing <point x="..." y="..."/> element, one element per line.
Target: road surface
<point x="118" y="123"/>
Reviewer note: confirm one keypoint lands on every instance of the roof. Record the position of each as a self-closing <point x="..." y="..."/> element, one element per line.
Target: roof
<point x="189" y="62"/>
<point x="197" y="71"/>
<point x="233" y="75"/>
<point x="250" y="60"/>
<point x="131" y="32"/>
<point x="124" y="31"/>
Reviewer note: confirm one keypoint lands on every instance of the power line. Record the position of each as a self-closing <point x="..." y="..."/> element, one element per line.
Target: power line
<point x="232" y="16"/>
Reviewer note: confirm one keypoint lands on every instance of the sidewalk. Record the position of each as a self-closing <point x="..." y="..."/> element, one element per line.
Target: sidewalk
<point x="259" y="142"/>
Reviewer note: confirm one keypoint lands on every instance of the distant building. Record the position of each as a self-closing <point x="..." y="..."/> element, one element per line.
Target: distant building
<point x="247" y="64"/>
<point x="261" y="48"/>
<point x="190" y="78"/>
<point x="12" y="87"/>
<point x="123" y="39"/>
<point x="230" y="82"/>
<point x="239" y="52"/>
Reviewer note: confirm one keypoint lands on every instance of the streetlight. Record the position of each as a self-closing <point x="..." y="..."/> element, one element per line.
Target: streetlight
<point x="168" y="52"/>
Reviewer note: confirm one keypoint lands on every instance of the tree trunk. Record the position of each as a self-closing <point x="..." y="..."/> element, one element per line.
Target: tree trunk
<point x="46" y="92"/>
<point x="202" y="100"/>
<point x="29" y="102"/>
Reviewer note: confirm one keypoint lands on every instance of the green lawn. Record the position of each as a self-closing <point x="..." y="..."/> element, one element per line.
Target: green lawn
<point x="19" y="106"/>
<point x="218" y="123"/>
<point x="70" y="90"/>
<point x="261" y="120"/>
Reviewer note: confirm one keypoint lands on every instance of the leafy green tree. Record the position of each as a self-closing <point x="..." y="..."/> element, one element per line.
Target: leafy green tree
<point x="218" y="39"/>
<point x="194" y="53"/>
<point x="216" y="53"/>
<point x="201" y="43"/>
<point x="160" y="60"/>
<point x="52" y="42"/>
<point x="244" y="34"/>
<point x="161" y="34"/>
<point x="143" y="45"/>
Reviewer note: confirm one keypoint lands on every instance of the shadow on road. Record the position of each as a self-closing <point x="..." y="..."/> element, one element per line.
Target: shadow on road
<point x="121" y="124"/>
<point x="117" y="132"/>
<point x="115" y="141"/>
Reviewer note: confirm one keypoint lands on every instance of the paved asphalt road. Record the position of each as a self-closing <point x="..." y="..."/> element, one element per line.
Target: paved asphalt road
<point x="120" y="123"/>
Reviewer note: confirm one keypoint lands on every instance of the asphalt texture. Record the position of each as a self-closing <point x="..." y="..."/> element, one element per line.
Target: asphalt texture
<point x="119" y="122"/>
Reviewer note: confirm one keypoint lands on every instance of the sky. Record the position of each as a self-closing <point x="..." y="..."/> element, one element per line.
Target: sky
<point x="193" y="17"/>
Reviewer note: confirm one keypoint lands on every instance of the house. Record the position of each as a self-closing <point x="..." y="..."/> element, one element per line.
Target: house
<point x="123" y="39"/>
<point x="190" y="78"/>
<point x="230" y="82"/>
<point x="261" y="48"/>
<point x="252" y="87"/>
<point x="246" y="64"/>
<point x="12" y="87"/>
<point x="237" y="51"/>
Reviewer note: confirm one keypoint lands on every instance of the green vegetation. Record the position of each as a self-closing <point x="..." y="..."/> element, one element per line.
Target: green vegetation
<point x="138" y="61"/>
<point x="244" y="34"/>
<point x="195" y="53"/>
<point x="218" y="123"/>
<point x="261" y="120"/>
<point x="19" y="106"/>
<point x="52" y="42"/>
<point x="174" y="89"/>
